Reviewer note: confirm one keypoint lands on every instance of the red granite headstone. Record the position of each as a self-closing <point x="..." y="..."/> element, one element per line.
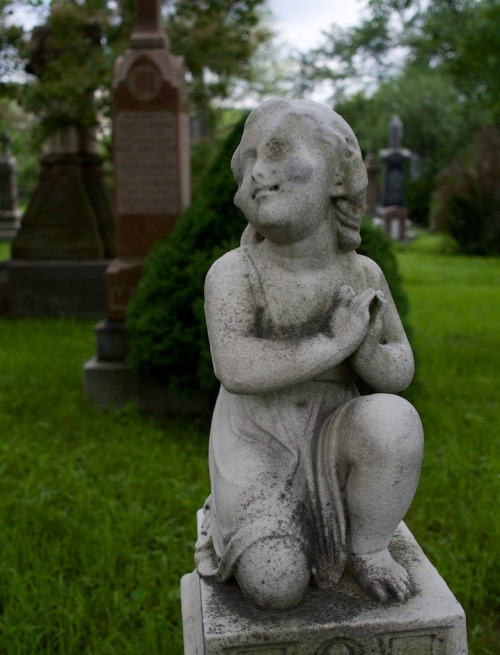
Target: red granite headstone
<point x="151" y="151"/>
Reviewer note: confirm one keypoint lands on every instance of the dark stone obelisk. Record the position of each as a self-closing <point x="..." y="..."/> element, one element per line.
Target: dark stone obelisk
<point x="395" y="158"/>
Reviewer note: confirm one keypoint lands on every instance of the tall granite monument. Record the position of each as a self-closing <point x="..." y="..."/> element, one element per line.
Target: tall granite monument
<point x="152" y="188"/>
<point x="301" y="546"/>
<point x="66" y="238"/>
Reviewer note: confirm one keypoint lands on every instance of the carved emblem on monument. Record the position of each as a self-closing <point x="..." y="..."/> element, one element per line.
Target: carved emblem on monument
<point x="144" y="81"/>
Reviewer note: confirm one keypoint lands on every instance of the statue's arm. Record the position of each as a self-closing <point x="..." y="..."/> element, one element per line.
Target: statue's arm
<point x="384" y="359"/>
<point x="247" y="364"/>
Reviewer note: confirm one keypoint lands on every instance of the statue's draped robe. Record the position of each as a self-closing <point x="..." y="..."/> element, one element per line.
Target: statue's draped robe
<point x="272" y="465"/>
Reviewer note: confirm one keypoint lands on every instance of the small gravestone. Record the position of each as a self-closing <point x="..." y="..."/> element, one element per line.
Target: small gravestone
<point x="9" y="214"/>
<point x="301" y="546"/>
<point x="152" y="188"/>
<point x="395" y="158"/>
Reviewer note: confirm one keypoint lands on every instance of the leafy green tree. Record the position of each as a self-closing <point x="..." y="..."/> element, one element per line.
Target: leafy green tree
<point x="461" y="37"/>
<point x="16" y="124"/>
<point x="435" y="64"/>
<point x="356" y="59"/>
<point x="217" y="40"/>
<point x="467" y="200"/>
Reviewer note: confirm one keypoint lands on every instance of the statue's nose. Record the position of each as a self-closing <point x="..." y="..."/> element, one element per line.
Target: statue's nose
<point x="259" y="171"/>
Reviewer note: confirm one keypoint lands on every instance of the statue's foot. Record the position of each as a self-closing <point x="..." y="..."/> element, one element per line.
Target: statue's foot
<point x="380" y="576"/>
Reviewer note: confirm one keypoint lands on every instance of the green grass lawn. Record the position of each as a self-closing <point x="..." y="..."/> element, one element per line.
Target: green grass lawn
<point x="4" y="251"/>
<point x="455" y="315"/>
<point x="97" y="510"/>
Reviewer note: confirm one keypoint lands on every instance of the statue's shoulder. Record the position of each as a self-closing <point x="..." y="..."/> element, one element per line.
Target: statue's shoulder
<point x="370" y="268"/>
<point x="228" y="268"/>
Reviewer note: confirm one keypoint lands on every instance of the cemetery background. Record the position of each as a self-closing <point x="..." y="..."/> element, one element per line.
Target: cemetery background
<point x="97" y="510"/>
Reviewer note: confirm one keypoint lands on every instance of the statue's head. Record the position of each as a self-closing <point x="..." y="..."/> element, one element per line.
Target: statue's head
<point x="329" y="137"/>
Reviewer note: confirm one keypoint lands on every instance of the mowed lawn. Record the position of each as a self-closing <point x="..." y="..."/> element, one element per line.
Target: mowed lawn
<point x="455" y="315"/>
<point x="97" y="509"/>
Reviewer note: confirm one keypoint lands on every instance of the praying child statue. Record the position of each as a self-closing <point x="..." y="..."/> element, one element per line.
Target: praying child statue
<point x="309" y="479"/>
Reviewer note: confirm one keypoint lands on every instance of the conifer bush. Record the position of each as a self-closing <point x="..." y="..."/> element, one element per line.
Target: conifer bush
<point x="467" y="201"/>
<point x="168" y="337"/>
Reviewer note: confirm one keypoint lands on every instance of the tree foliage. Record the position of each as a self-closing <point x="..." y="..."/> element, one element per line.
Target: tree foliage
<point x="435" y="64"/>
<point x="216" y="38"/>
<point x="467" y="201"/>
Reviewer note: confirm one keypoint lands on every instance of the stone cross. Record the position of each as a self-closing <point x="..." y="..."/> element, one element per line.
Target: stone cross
<point x="396" y="131"/>
<point x="148" y="31"/>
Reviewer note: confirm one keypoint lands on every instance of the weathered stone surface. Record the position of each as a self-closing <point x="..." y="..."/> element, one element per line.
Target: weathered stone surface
<point x="218" y="620"/>
<point x="308" y="478"/>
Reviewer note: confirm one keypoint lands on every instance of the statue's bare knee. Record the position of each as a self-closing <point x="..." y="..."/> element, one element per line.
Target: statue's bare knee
<point x="274" y="573"/>
<point x="383" y="428"/>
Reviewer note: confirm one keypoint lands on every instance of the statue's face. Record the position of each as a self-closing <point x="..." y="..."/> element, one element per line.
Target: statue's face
<point x="284" y="177"/>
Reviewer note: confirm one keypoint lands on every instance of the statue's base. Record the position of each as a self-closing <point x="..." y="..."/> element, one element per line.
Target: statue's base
<point x="218" y="620"/>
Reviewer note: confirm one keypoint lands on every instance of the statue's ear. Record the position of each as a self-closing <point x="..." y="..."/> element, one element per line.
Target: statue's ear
<point x="337" y="186"/>
<point x="350" y="178"/>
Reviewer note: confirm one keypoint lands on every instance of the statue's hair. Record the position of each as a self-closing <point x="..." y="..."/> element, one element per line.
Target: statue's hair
<point x="341" y="147"/>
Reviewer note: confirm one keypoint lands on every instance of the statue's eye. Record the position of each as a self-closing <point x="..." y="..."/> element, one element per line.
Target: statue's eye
<point x="276" y="150"/>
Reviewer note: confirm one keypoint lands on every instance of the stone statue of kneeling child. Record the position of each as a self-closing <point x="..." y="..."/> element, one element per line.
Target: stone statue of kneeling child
<point x="309" y="479"/>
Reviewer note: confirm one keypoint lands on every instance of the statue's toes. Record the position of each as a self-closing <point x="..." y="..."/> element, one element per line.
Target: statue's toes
<point x="400" y="587"/>
<point x="377" y="591"/>
<point x="385" y="589"/>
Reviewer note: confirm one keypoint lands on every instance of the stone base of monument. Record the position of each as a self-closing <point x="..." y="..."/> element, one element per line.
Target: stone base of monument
<point x="54" y="288"/>
<point x="111" y="384"/>
<point x="218" y="620"/>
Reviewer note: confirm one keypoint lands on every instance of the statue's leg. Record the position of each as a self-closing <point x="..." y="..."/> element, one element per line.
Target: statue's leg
<point x="380" y="446"/>
<point x="274" y="573"/>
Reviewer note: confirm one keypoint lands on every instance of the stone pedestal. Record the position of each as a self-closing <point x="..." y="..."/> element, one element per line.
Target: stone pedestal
<point x="53" y="288"/>
<point x="218" y="620"/>
<point x="395" y="222"/>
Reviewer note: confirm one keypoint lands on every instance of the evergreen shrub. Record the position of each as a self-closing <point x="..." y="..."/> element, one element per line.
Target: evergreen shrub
<point x="467" y="201"/>
<point x="168" y="337"/>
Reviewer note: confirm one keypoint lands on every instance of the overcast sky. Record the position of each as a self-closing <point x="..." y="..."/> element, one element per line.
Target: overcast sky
<point x="300" y="22"/>
<point x="296" y="22"/>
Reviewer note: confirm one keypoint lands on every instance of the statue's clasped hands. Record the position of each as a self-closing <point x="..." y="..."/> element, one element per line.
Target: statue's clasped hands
<point x="357" y="318"/>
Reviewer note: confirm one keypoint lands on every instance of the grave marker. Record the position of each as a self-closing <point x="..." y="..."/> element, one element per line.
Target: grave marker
<point x="152" y="188"/>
